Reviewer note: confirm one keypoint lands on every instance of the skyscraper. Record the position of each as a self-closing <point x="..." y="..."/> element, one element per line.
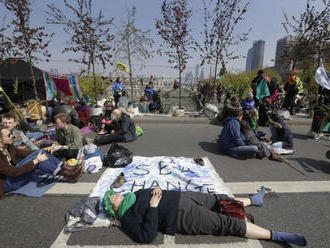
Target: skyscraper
<point x="283" y="48"/>
<point x="249" y="60"/>
<point x="255" y="56"/>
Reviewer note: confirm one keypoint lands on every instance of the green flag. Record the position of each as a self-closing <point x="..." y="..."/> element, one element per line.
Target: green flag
<point x="262" y="90"/>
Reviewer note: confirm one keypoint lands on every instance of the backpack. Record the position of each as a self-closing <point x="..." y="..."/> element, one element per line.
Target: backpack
<point x="118" y="156"/>
<point x="138" y="131"/>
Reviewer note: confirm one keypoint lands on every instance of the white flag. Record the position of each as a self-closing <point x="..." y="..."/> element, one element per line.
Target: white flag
<point x="321" y="77"/>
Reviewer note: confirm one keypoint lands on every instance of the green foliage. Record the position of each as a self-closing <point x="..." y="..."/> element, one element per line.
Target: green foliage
<point x="239" y="84"/>
<point x="86" y="84"/>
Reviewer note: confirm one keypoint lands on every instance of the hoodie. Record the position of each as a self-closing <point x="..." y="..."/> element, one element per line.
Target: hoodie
<point x="231" y="135"/>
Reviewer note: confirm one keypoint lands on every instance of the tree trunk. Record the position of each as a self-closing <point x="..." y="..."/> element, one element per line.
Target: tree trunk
<point x="215" y="69"/>
<point x="130" y="67"/>
<point x="33" y="80"/>
<point x="179" y="79"/>
<point x="94" y="79"/>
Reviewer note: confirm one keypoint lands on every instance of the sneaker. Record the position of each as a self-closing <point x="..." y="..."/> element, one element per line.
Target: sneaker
<point x="318" y="135"/>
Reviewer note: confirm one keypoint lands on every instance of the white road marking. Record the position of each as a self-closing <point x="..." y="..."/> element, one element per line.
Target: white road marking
<point x="235" y="187"/>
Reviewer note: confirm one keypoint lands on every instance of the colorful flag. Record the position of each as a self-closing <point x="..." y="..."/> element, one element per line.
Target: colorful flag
<point x="262" y="90"/>
<point x="122" y="67"/>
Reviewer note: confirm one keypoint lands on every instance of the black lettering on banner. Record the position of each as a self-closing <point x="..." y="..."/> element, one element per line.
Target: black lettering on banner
<point x="139" y="170"/>
<point x="154" y="184"/>
<point x="210" y="190"/>
<point x="200" y="188"/>
<point x="161" y="167"/>
<point x="138" y="185"/>
<point x="174" y="187"/>
<point x="189" y="181"/>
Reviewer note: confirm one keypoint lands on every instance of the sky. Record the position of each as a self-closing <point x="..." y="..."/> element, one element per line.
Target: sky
<point x="263" y="16"/>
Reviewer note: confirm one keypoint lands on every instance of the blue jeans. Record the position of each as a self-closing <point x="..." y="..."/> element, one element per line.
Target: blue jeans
<point x="243" y="150"/>
<point x="50" y="166"/>
<point x="34" y="135"/>
<point x="273" y="133"/>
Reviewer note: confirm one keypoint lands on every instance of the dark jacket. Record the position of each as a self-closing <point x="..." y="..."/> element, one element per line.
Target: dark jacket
<point x="255" y="82"/>
<point x="142" y="222"/>
<point x="126" y="127"/>
<point x="283" y="134"/>
<point x="83" y="113"/>
<point x="66" y="109"/>
<point x="9" y="170"/>
<point x="231" y="135"/>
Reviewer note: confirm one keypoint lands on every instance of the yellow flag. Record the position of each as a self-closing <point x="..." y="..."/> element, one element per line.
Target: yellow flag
<point x="122" y="67"/>
<point x="300" y="85"/>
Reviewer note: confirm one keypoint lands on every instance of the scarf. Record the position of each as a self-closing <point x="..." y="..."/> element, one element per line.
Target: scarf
<point x="129" y="200"/>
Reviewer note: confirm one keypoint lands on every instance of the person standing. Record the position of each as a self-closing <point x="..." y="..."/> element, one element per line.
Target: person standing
<point x="118" y="88"/>
<point x="254" y="84"/>
<point x="291" y="92"/>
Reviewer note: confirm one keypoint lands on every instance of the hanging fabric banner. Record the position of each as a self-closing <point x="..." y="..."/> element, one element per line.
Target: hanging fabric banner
<point x="68" y="83"/>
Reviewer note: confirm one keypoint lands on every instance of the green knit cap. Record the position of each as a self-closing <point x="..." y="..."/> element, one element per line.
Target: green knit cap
<point x="129" y="200"/>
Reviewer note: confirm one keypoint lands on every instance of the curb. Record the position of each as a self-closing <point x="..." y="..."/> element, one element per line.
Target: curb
<point x="198" y="120"/>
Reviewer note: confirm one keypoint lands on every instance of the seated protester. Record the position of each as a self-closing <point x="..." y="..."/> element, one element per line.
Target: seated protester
<point x="232" y="141"/>
<point x="65" y="108"/>
<point x="15" y="175"/>
<point x="145" y="212"/>
<point x="248" y="103"/>
<point x="83" y="112"/>
<point x="107" y="125"/>
<point x="124" y="132"/>
<point x="32" y="132"/>
<point x="231" y="105"/>
<point x="265" y="109"/>
<point x="68" y="139"/>
<point x="54" y="102"/>
<point x="281" y="133"/>
<point x="149" y="92"/>
<point x="10" y="121"/>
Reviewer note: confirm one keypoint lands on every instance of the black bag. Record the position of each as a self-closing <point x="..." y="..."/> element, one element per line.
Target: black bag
<point x="118" y="156"/>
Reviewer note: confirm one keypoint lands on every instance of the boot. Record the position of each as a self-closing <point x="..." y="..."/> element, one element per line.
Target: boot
<point x="120" y="180"/>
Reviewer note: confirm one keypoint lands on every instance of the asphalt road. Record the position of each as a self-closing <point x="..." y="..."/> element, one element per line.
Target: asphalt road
<point x="37" y="222"/>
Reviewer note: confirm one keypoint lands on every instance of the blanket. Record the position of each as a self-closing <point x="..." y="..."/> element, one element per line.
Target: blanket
<point x="168" y="173"/>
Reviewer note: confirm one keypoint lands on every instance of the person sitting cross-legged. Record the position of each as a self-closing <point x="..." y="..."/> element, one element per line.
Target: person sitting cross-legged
<point x="124" y="129"/>
<point x="68" y="139"/>
<point x="15" y="175"/>
<point x="232" y="141"/>
<point x="145" y="212"/>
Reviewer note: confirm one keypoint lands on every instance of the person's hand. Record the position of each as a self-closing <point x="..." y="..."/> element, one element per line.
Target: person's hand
<point x="48" y="149"/>
<point x="41" y="157"/>
<point x="112" y="131"/>
<point x="157" y="192"/>
<point x="154" y="201"/>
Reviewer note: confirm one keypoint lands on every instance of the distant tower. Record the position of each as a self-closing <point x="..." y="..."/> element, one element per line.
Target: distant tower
<point x="283" y="48"/>
<point x="197" y="73"/>
<point x="249" y="60"/>
<point x="201" y="76"/>
<point x="258" y="54"/>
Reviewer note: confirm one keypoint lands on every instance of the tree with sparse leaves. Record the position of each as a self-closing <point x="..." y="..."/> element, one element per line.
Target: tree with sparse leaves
<point x="133" y="43"/>
<point x="89" y="36"/>
<point x="221" y="18"/>
<point x="5" y="44"/>
<point x="27" y="42"/>
<point x="311" y="32"/>
<point x="173" y="27"/>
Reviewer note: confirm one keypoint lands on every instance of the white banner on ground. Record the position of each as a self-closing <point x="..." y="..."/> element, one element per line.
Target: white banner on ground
<point x="168" y="173"/>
